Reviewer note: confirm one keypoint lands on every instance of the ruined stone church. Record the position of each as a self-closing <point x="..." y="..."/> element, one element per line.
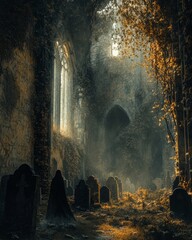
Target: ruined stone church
<point x="69" y="102"/>
<point x="95" y="106"/>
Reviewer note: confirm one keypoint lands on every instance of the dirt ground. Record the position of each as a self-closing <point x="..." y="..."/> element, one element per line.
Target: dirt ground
<point x="144" y="215"/>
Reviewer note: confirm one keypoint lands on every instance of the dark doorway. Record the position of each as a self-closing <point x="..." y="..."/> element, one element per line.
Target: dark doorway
<point x="115" y="122"/>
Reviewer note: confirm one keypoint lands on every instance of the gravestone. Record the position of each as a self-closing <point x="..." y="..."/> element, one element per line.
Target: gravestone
<point x="176" y="183"/>
<point x="58" y="210"/>
<point x="95" y="189"/>
<point x="180" y="203"/>
<point x="82" y="195"/>
<point x="120" y="186"/>
<point x="20" y="197"/>
<point x="105" y="195"/>
<point x="112" y="184"/>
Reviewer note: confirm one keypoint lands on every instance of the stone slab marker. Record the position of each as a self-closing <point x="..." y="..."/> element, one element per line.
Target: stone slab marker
<point x="93" y="184"/>
<point x="20" y="196"/>
<point x="105" y="195"/>
<point x="82" y="195"/>
<point x="112" y="184"/>
<point x="180" y="203"/>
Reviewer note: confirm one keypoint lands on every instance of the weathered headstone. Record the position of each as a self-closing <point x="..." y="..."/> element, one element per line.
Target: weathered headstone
<point x="112" y="184"/>
<point x="105" y="195"/>
<point x="120" y="186"/>
<point x="180" y="203"/>
<point x="82" y="195"/>
<point x="20" y="197"/>
<point x="58" y="210"/>
<point x="95" y="189"/>
<point x="176" y="183"/>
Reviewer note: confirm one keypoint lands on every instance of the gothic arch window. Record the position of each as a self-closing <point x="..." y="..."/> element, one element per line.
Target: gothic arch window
<point x="115" y="41"/>
<point x="62" y="89"/>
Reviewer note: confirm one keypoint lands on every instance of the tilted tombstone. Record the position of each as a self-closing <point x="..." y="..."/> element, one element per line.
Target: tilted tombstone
<point x="58" y="210"/>
<point x="20" y="196"/>
<point x="95" y="189"/>
<point x="180" y="203"/>
<point x="120" y="186"/>
<point x="82" y="195"/>
<point x="105" y="195"/>
<point x="112" y="184"/>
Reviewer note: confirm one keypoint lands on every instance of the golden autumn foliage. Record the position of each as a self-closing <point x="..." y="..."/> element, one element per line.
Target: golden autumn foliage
<point x="152" y="33"/>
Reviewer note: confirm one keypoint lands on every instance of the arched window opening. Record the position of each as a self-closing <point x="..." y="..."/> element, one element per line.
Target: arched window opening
<point x="112" y="9"/>
<point x="62" y="90"/>
<point x="115" y="40"/>
<point x="79" y="117"/>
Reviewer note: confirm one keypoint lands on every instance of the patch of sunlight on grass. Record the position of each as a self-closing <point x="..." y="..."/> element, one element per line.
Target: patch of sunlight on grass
<point x="106" y="206"/>
<point x="122" y="233"/>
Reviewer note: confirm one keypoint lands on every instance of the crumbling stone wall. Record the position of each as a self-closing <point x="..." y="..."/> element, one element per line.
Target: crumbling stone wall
<point x="16" y="138"/>
<point x="28" y="31"/>
<point x="72" y="26"/>
<point x="16" y="86"/>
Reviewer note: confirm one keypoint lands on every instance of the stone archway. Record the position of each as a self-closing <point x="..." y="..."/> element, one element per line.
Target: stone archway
<point x="116" y="121"/>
